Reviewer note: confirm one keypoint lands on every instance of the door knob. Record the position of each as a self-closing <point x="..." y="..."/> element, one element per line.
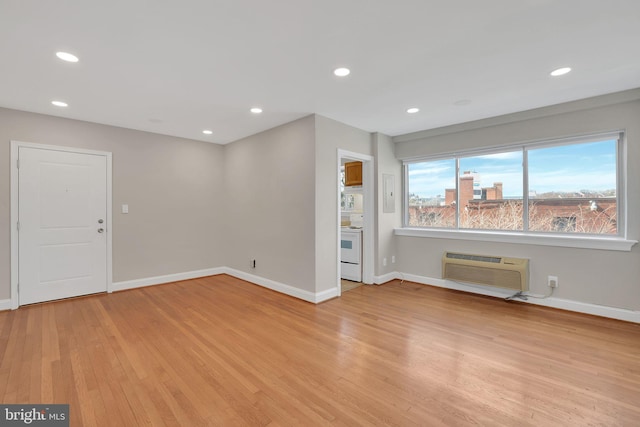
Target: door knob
<point x="100" y="230"/>
<point x="100" y="221"/>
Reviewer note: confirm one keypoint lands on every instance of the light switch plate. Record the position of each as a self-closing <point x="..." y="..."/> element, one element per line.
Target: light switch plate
<point x="125" y="209"/>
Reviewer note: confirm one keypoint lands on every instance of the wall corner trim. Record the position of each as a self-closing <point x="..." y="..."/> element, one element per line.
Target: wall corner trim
<point x="563" y="304"/>
<point x="379" y="280"/>
<point x="280" y="287"/>
<point x="326" y="295"/>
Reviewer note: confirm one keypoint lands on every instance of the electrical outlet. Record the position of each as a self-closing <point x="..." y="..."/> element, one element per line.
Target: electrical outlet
<point x="384" y="262"/>
<point x="552" y="281"/>
<point x="393" y="259"/>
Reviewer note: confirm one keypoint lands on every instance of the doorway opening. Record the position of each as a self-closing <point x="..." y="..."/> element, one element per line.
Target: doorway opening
<point x="355" y="231"/>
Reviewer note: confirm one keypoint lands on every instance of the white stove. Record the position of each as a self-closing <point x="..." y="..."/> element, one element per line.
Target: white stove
<point x="351" y="253"/>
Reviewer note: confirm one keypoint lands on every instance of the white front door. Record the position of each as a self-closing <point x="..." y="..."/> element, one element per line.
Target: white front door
<point x="62" y="246"/>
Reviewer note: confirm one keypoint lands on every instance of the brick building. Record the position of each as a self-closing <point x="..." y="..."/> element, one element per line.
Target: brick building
<point x="469" y="192"/>
<point x="492" y="212"/>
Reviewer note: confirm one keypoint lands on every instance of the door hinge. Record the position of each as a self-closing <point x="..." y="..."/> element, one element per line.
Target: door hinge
<point x="18" y="225"/>
<point x="18" y="163"/>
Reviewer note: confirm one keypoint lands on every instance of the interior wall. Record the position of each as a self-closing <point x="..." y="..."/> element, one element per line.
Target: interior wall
<point x="330" y="136"/>
<point x="270" y="204"/>
<point x="608" y="278"/>
<point x="173" y="186"/>
<point x="386" y="164"/>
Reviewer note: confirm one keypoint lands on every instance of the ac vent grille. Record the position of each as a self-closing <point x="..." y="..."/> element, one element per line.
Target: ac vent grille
<point x="480" y="258"/>
<point x="508" y="273"/>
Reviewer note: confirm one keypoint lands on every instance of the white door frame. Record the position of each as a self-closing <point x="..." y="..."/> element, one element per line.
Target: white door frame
<point x="15" y="145"/>
<point x="368" y="243"/>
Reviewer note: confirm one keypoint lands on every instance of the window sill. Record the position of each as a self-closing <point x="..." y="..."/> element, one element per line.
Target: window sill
<point x="583" y="242"/>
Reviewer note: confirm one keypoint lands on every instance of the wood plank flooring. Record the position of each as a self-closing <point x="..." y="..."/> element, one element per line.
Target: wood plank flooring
<point x="221" y="351"/>
<point x="348" y="285"/>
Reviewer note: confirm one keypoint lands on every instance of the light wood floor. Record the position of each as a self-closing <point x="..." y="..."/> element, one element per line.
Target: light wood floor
<point x="220" y="351"/>
<point x="348" y="285"/>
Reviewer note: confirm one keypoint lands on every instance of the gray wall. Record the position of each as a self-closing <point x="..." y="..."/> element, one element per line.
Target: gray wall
<point x="386" y="164"/>
<point x="331" y="136"/>
<point x="273" y="197"/>
<point x="174" y="188"/>
<point x="608" y="278"/>
<point x="194" y="205"/>
<point x="269" y="183"/>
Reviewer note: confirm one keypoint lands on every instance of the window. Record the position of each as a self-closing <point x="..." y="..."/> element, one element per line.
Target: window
<point x="490" y="188"/>
<point x="573" y="188"/>
<point x="429" y="203"/>
<point x="570" y="186"/>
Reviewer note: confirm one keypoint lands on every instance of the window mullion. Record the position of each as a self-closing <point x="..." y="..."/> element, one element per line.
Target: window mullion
<point x="621" y="174"/>
<point x="457" y="193"/>
<point x="525" y="190"/>
<point x="405" y="191"/>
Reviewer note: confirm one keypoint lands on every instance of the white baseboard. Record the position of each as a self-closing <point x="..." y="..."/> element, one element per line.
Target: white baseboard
<point x="282" y="288"/>
<point x="157" y="280"/>
<point x="594" y="309"/>
<point x="257" y="280"/>
<point x="447" y="284"/>
<point x="564" y="304"/>
<point x="378" y="280"/>
<point x="326" y="295"/>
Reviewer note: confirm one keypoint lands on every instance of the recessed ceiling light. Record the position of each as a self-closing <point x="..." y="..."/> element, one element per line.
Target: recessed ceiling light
<point x="560" y="71"/>
<point x="342" y="72"/>
<point x="59" y="104"/>
<point x="412" y="110"/>
<point x="462" y="102"/>
<point x="256" y="110"/>
<point x="65" y="56"/>
<point x="207" y="132"/>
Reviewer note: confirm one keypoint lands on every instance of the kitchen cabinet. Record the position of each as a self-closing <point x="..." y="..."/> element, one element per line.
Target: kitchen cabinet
<point x="352" y="174"/>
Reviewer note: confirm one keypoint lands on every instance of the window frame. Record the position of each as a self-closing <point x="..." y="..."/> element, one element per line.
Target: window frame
<point x="616" y="241"/>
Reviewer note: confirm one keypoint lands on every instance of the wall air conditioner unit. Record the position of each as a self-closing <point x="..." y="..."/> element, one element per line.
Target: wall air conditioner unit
<point x="501" y="272"/>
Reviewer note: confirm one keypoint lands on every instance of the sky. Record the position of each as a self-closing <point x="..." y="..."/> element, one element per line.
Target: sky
<point x="560" y="168"/>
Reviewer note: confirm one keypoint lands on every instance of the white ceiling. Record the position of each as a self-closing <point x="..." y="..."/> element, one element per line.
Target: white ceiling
<point x="178" y="67"/>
